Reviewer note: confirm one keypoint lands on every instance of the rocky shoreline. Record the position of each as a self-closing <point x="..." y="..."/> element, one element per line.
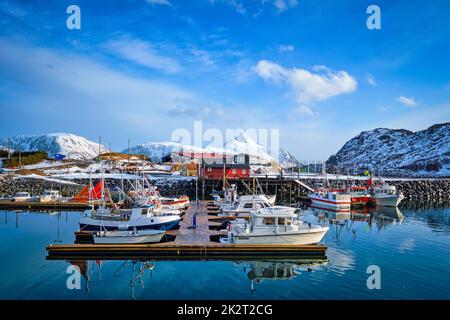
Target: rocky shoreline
<point x="422" y="190"/>
<point x="167" y="187"/>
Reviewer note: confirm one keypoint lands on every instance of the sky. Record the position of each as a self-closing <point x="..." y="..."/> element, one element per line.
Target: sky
<point x="141" y="69"/>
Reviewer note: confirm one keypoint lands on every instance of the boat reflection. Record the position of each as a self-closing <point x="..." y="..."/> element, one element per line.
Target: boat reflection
<point x="353" y="221"/>
<point x="258" y="271"/>
<point x="134" y="272"/>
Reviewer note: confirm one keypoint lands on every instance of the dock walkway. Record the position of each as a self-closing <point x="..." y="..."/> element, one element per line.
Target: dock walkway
<point x="201" y="234"/>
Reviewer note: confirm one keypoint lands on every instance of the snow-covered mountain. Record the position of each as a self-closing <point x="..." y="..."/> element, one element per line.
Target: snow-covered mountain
<point x="287" y="160"/>
<point x="70" y="145"/>
<point x="398" y="152"/>
<point x="157" y="150"/>
<point x="242" y="143"/>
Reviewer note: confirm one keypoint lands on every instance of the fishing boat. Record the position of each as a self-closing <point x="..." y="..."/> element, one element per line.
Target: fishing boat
<point x="360" y="195"/>
<point x="384" y="194"/>
<point x="128" y="237"/>
<point x="331" y="198"/>
<point x="50" y="196"/>
<point x="139" y="218"/>
<point x="267" y="226"/>
<point x="247" y="203"/>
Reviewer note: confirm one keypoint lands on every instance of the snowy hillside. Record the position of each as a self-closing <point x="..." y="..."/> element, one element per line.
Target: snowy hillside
<point x="70" y="145"/>
<point x="157" y="150"/>
<point x="398" y="152"/>
<point x="243" y="143"/>
<point x="240" y="144"/>
<point x="287" y="160"/>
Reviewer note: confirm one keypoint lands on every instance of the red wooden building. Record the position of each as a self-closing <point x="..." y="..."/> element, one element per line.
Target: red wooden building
<point x="234" y="167"/>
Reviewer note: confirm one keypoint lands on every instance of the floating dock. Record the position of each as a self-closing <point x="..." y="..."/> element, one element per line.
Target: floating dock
<point x="29" y="205"/>
<point x="189" y="243"/>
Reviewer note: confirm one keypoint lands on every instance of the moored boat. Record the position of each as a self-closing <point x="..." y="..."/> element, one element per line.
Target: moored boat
<point x="50" y="196"/>
<point x="128" y="237"/>
<point x="360" y="196"/>
<point x="22" y="197"/>
<point x="337" y="199"/>
<point x="247" y="203"/>
<point x="139" y="218"/>
<point x="386" y="195"/>
<point x="267" y="226"/>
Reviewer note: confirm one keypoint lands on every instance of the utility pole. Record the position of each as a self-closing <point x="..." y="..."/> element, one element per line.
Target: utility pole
<point x="128" y="151"/>
<point x="100" y="146"/>
<point x="9" y="148"/>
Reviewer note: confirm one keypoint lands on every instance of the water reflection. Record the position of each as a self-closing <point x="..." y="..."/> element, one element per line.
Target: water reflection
<point x="355" y="221"/>
<point x="135" y="272"/>
<point x="132" y="271"/>
<point x="258" y="271"/>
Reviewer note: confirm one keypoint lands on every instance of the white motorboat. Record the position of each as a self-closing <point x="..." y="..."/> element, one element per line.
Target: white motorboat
<point x="174" y="202"/>
<point x="386" y="195"/>
<point x="144" y="217"/>
<point x="50" y="196"/>
<point x="267" y="226"/>
<point x="247" y="203"/>
<point x="145" y="196"/>
<point x="125" y="236"/>
<point x="229" y="196"/>
<point x="22" y="196"/>
<point x="331" y="199"/>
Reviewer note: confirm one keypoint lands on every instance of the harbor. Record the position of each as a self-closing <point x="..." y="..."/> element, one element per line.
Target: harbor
<point x="254" y="236"/>
<point x="229" y="156"/>
<point x="189" y="243"/>
<point x="406" y="242"/>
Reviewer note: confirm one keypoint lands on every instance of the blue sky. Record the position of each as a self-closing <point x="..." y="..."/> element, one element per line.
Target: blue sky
<point x="140" y="69"/>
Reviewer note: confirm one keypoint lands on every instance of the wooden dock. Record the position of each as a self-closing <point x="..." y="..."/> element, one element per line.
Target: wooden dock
<point x="190" y="243"/>
<point x="29" y="205"/>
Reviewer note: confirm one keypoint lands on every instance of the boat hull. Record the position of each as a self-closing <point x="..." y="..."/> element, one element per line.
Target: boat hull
<point x="338" y="204"/>
<point x="303" y="237"/>
<point x="89" y="224"/>
<point x="360" y="200"/>
<point x="120" y="238"/>
<point x="389" y="201"/>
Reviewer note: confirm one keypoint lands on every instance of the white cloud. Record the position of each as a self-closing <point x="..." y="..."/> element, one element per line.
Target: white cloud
<point x="238" y="6"/>
<point x="303" y="109"/>
<point x="285" y="48"/>
<point x="370" y="80"/>
<point x="307" y="86"/>
<point x="142" y="53"/>
<point x="61" y="90"/>
<point x="161" y="2"/>
<point x="283" y="5"/>
<point x="409" y="102"/>
<point x="13" y="9"/>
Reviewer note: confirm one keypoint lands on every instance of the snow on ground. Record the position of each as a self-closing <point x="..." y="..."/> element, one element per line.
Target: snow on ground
<point x="35" y="176"/>
<point x="289" y="175"/>
<point x="84" y="175"/>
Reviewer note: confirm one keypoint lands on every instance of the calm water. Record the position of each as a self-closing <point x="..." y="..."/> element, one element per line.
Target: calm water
<point x="411" y="247"/>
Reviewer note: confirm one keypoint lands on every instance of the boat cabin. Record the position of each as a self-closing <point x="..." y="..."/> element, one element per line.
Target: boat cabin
<point x="384" y="189"/>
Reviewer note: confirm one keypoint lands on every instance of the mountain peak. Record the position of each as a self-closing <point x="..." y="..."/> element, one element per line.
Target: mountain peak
<point x="398" y="151"/>
<point x="68" y="144"/>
